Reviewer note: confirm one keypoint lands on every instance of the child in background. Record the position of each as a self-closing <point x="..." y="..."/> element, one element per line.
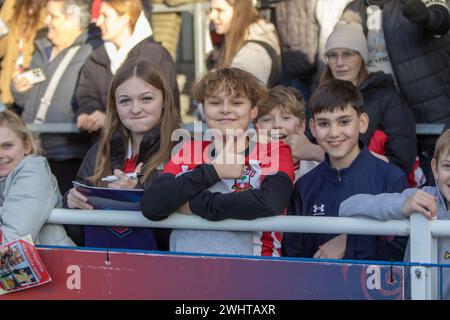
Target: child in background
<point x="282" y="115"/>
<point x="140" y="118"/>
<point x="257" y="182"/>
<point x="349" y="168"/>
<point x="432" y="202"/>
<point x="28" y="190"/>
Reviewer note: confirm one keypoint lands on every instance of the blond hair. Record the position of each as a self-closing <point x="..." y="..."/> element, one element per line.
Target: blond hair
<point x="442" y="147"/>
<point x="288" y="99"/>
<point x="11" y="120"/>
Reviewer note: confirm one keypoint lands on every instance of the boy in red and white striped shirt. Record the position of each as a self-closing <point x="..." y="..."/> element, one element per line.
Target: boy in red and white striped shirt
<point x="233" y="176"/>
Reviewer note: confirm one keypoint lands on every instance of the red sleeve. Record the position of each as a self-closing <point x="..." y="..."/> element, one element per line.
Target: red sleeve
<point x="95" y="11"/>
<point x="174" y="166"/>
<point x="190" y="155"/>
<point x="278" y="158"/>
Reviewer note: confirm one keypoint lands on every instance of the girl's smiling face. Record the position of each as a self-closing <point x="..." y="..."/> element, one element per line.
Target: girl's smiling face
<point x="12" y="150"/>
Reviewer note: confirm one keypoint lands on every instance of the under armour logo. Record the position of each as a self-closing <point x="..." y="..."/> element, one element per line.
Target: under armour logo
<point x="318" y="210"/>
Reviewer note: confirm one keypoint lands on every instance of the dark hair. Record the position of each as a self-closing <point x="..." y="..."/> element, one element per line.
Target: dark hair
<point x="336" y="94"/>
<point x="232" y="80"/>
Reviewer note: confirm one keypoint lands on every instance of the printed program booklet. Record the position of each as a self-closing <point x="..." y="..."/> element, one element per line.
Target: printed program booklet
<point x="20" y="266"/>
<point x="111" y="199"/>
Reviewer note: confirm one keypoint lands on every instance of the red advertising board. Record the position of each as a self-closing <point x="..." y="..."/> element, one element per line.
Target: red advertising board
<point x="88" y="274"/>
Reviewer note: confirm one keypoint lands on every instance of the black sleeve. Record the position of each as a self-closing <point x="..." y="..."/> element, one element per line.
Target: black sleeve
<point x="270" y="199"/>
<point x="167" y="193"/>
<point x="292" y="244"/>
<point x="368" y="247"/>
<point x="398" y="123"/>
<point x="87" y="169"/>
<point x="439" y="19"/>
<point x="394" y="249"/>
<point x="87" y="94"/>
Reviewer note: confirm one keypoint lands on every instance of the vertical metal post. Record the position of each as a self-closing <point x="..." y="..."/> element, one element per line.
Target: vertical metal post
<point x="199" y="39"/>
<point x="423" y="248"/>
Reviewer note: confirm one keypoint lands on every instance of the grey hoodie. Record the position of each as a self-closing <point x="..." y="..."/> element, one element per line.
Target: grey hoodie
<point x="387" y="206"/>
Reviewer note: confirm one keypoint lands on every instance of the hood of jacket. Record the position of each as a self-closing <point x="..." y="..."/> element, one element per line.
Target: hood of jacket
<point x="378" y="80"/>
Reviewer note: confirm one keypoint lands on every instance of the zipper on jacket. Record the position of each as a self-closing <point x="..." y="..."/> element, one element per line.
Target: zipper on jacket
<point x="339" y="175"/>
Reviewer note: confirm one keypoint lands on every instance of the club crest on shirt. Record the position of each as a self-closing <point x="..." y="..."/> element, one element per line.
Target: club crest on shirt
<point x="243" y="183"/>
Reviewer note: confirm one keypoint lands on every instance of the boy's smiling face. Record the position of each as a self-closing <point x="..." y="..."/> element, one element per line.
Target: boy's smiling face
<point x="228" y="111"/>
<point x="285" y="122"/>
<point x="337" y="133"/>
<point x="441" y="171"/>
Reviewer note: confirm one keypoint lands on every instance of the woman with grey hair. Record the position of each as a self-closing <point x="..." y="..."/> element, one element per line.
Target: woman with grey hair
<point x="59" y="57"/>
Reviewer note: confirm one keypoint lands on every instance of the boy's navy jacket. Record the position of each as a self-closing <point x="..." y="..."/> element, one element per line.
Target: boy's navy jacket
<point x="320" y="192"/>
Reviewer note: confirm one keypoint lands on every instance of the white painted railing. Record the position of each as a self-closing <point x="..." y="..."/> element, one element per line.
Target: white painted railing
<point x="278" y="223"/>
<point x="422" y="233"/>
<point x="421" y="128"/>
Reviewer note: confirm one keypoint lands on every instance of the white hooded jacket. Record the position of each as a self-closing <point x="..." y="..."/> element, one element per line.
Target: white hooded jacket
<point x="27" y="197"/>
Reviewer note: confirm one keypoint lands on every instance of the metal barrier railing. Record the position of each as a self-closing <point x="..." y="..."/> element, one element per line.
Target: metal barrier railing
<point x="72" y="127"/>
<point x="422" y="232"/>
<point x="421" y="128"/>
<point x="429" y="129"/>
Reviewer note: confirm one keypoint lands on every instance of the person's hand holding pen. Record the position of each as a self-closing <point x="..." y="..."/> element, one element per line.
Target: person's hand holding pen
<point x="120" y="180"/>
<point x="123" y="180"/>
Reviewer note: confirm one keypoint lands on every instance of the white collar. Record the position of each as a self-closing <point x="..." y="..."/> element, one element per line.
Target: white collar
<point x="141" y="31"/>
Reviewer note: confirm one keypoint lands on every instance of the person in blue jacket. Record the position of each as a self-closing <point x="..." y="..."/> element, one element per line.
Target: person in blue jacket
<point x="337" y="120"/>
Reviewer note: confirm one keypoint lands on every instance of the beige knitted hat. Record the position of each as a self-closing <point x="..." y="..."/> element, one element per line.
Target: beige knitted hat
<point x="348" y="35"/>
